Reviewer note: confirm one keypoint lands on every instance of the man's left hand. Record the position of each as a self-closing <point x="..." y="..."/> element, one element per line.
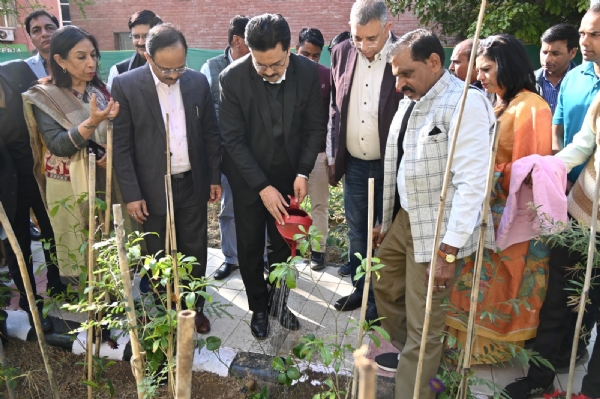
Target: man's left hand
<point x="102" y="161"/>
<point x="300" y="188"/>
<point x="215" y="193"/>
<point x="444" y="271"/>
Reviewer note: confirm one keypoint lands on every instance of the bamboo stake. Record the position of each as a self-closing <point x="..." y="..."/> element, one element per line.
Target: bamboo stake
<point x="37" y="323"/>
<point x="106" y="226"/>
<point x="365" y="297"/>
<point x="171" y="232"/>
<point x="186" y="331"/>
<point x="368" y="374"/>
<point x="169" y="243"/>
<point x="586" y="284"/>
<point x="109" y="176"/>
<point x="91" y="231"/>
<point x="440" y="215"/>
<point x="478" y="265"/>
<point x="137" y="364"/>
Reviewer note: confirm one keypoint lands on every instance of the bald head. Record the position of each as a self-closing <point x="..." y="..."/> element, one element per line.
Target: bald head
<point x="459" y="61"/>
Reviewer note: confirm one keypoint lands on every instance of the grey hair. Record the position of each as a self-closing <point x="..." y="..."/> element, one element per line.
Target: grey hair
<point x="364" y="11"/>
<point x="395" y="49"/>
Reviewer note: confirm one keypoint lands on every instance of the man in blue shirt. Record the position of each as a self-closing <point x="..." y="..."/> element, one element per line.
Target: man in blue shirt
<point x="559" y="47"/>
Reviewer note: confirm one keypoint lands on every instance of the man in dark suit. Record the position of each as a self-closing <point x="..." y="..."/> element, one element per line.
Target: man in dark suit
<point x="139" y="24"/>
<point x="363" y="103"/>
<point x="146" y="95"/>
<point x="19" y="191"/>
<point x="271" y="119"/>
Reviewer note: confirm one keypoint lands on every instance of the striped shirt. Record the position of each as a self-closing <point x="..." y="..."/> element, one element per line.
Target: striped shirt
<point x="549" y="91"/>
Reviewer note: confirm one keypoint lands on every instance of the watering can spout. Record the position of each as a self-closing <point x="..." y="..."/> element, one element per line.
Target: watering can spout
<point x="297" y="218"/>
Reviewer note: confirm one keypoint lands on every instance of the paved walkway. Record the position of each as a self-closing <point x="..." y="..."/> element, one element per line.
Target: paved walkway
<point x="312" y="300"/>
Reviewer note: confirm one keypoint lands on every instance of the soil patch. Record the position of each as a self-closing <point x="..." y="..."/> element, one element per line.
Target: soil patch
<point x="69" y="372"/>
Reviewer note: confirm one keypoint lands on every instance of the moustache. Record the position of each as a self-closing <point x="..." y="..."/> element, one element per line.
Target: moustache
<point x="407" y="88"/>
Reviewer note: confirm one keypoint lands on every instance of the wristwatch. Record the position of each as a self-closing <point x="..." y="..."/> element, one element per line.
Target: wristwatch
<point x="447" y="257"/>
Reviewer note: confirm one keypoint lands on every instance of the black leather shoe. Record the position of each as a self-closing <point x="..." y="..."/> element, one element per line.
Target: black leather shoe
<point x="202" y="322"/>
<point x="259" y="325"/>
<point x="350" y="302"/>
<point x="34" y="232"/>
<point x="371" y="314"/>
<point x="46" y="322"/>
<point x="225" y="270"/>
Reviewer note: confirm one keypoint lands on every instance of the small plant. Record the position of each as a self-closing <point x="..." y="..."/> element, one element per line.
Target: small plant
<point x="331" y="352"/>
<point x="100" y="382"/>
<point x="263" y="394"/>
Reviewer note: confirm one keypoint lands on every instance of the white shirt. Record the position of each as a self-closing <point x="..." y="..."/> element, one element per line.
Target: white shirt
<point x="463" y="207"/>
<point x="580" y="149"/>
<point x="171" y="103"/>
<point x="362" y="140"/>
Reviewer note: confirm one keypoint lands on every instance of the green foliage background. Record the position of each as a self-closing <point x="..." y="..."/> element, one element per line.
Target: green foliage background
<point x="526" y="20"/>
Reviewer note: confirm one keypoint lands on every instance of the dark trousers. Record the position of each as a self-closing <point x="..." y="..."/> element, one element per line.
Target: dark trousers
<point x="555" y="319"/>
<point x="29" y="197"/>
<point x="356" y="204"/>
<point x="190" y="227"/>
<point x="250" y="222"/>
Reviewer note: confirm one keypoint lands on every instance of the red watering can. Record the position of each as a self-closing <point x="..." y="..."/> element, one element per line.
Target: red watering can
<point x="297" y="218"/>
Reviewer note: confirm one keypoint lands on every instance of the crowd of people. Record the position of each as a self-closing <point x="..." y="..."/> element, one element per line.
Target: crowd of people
<point x="260" y="126"/>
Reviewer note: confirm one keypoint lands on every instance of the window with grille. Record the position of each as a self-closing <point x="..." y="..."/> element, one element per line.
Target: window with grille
<point x="9" y="14"/>
<point x="123" y="41"/>
<point x="65" y="11"/>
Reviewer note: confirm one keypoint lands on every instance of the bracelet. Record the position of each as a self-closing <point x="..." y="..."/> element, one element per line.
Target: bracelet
<point x="304" y="176"/>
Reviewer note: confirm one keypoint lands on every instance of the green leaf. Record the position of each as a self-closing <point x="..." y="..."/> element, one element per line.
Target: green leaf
<point x="293" y="373"/>
<point x="278" y="364"/>
<point x="282" y="379"/>
<point x="213" y="343"/>
<point x="290" y="280"/>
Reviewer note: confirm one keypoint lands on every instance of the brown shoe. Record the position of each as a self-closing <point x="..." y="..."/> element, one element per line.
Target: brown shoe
<point x="202" y="322"/>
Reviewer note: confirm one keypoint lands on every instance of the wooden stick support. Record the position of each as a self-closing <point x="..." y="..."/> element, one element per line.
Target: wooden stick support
<point x="363" y="309"/>
<point x="186" y="331"/>
<point x="90" y="265"/>
<point x="466" y="366"/>
<point x="440" y="216"/>
<point x="109" y="176"/>
<point x="171" y="232"/>
<point x="367" y="372"/>
<point x="586" y="284"/>
<point x="137" y="364"/>
<point x="37" y="323"/>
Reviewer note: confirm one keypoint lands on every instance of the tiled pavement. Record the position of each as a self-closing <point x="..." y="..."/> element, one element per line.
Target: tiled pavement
<point x="312" y="300"/>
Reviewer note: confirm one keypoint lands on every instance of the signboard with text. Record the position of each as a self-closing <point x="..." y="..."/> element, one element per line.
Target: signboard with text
<point x="13" y="48"/>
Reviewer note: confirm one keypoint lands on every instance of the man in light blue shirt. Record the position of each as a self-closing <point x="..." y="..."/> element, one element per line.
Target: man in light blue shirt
<point x="40" y="26"/>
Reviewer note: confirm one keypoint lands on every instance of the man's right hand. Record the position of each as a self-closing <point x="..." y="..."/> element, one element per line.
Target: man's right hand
<point x="378" y="236"/>
<point x="137" y="211"/>
<point x="275" y="203"/>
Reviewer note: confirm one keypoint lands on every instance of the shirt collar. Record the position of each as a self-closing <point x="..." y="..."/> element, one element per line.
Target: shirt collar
<point x="229" y="56"/>
<point x="589" y="69"/>
<point x="157" y="81"/>
<point x="281" y="79"/>
<point x="567" y="71"/>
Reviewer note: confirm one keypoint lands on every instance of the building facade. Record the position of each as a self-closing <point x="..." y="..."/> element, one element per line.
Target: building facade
<point x="205" y="22"/>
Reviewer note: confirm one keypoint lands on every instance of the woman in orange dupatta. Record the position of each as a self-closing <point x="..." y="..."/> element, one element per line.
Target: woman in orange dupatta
<point x="513" y="282"/>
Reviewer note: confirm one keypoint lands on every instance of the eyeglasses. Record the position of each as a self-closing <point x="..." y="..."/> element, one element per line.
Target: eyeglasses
<point x="138" y="37"/>
<point x="364" y="43"/>
<point x="172" y="71"/>
<point x="276" y="66"/>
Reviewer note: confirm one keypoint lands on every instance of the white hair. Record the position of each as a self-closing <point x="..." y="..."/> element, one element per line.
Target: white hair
<point x="364" y="11"/>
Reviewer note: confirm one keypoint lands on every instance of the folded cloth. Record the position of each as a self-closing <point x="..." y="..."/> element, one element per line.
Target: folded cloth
<point x="531" y="208"/>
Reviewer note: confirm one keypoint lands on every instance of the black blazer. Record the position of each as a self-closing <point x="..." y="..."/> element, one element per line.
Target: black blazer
<point x="15" y="78"/>
<point x="140" y="137"/>
<point x="246" y="128"/>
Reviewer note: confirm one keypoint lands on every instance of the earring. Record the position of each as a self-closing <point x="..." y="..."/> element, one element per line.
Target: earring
<point x="64" y="70"/>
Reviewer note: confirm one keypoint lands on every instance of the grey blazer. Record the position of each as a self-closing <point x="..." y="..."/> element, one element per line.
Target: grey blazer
<point x="140" y="137"/>
<point x="37" y="66"/>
